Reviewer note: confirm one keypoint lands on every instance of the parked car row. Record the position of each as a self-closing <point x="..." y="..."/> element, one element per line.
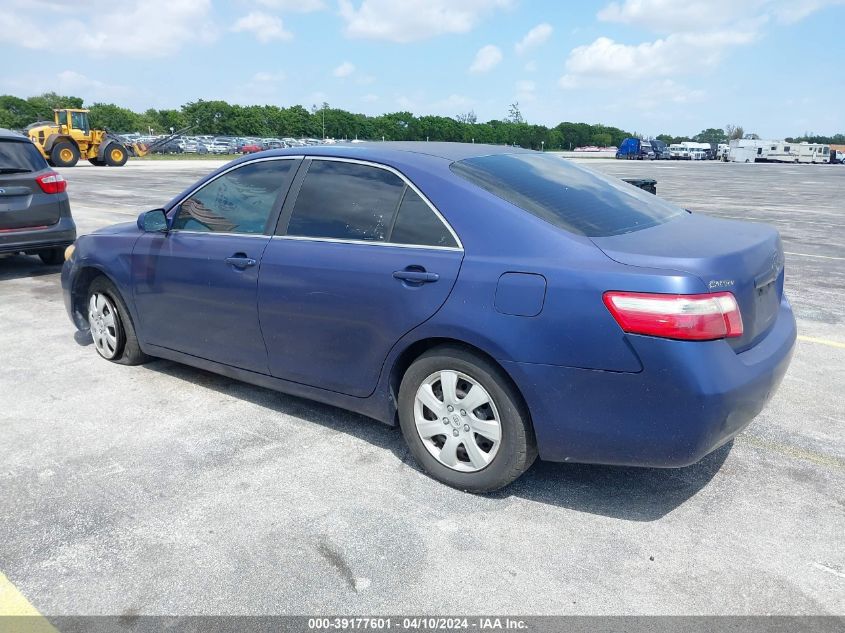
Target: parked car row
<point x="207" y="144"/>
<point x="639" y="149"/>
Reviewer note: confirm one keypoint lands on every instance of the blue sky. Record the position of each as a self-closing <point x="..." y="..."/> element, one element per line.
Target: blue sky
<point x="651" y="66"/>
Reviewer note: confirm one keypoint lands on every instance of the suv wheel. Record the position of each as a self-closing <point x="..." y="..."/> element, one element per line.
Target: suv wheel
<point x="53" y="257"/>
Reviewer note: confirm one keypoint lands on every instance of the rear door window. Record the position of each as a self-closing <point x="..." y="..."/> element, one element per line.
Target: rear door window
<point x="347" y="201"/>
<point x="20" y="156"/>
<point x="417" y="224"/>
<point x="566" y="195"/>
<point x="239" y="201"/>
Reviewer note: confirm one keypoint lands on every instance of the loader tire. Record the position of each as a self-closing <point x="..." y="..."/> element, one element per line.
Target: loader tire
<point x="64" y="154"/>
<point x="116" y="155"/>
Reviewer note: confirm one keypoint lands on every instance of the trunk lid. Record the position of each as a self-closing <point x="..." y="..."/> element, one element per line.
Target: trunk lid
<point x="744" y="258"/>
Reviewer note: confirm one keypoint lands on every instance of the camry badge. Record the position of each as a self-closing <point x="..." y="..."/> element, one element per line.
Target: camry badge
<point x="721" y="283"/>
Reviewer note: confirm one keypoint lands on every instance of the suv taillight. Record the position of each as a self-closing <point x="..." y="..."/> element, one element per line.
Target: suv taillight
<point x="701" y="317"/>
<point x="51" y="182"/>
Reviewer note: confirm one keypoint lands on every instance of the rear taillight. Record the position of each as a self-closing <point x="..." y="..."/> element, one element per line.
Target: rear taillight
<point x="703" y="317"/>
<point x="51" y="182"/>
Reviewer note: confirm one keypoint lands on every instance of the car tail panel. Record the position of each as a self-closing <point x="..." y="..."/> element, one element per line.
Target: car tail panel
<point x="23" y="203"/>
<point x="742" y="258"/>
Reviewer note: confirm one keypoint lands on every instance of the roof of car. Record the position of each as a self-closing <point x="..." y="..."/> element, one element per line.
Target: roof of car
<point x="379" y="151"/>
<point x="11" y="134"/>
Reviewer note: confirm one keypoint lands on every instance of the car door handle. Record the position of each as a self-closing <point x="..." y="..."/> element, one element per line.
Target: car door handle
<point x="416" y="276"/>
<point x="240" y="260"/>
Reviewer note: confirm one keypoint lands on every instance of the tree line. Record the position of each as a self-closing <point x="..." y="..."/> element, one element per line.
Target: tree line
<point x="221" y="118"/>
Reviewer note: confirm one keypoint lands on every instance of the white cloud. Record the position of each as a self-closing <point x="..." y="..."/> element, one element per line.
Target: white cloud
<point x="486" y="59"/>
<point x="605" y="59"/>
<point x="69" y="82"/>
<point x="414" y="20"/>
<point x="536" y="36"/>
<point x="344" y="70"/>
<point x="293" y="6"/>
<point x="140" y="28"/>
<point x="265" y="77"/>
<point x="531" y="67"/>
<point x="525" y="90"/>
<point x="264" y="26"/>
<point x="369" y="98"/>
<point x="672" y="16"/>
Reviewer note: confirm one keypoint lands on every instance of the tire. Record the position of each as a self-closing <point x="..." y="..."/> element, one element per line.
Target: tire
<point x="64" y="154"/>
<point x="111" y="326"/>
<point x="53" y="257"/>
<point x="476" y="462"/>
<point x="115" y="155"/>
<point x="97" y="162"/>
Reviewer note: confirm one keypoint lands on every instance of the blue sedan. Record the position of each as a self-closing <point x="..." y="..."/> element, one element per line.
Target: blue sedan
<point x="495" y="303"/>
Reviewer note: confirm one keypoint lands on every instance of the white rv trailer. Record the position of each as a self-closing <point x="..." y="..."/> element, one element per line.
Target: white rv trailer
<point x="813" y="153"/>
<point x="782" y="152"/>
<point x="746" y="150"/>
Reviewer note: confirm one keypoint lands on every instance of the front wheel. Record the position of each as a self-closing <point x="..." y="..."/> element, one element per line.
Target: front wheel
<point x="116" y="155"/>
<point x="111" y="327"/>
<point x="64" y="154"/>
<point x="464" y="421"/>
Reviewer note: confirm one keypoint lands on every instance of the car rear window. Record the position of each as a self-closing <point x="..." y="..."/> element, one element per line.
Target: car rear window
<point x="567" y="195"/>
<point x="20" y="155"/>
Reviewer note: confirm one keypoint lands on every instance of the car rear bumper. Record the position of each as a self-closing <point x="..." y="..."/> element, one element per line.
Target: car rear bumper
<point x="60" y="234"/>
<point x="690" y="398"/>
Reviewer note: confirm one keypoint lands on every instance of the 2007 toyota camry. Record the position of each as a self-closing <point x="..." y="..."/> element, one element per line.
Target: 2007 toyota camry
<point x="494" y="302"/>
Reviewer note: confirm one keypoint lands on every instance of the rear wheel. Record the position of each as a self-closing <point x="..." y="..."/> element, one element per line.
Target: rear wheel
<point x="116" y="155"/>
<point x="464" y="422"/>
<point x="52" y="257"/>
<point x="111" y="327"/>
<point x="64" y="154"/>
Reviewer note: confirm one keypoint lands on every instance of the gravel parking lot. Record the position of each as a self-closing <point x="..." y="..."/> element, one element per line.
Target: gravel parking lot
<point x="163" y="489"/>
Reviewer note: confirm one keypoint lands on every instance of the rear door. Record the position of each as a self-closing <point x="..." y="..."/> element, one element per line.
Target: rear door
<point x="196" y="286"/>
<point x="23" y="204"/>
<point x="360" y="260"/>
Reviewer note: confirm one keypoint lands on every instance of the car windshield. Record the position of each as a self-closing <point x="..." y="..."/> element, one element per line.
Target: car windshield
<point x="566" y="195"/>
<point x="20" y="156"/>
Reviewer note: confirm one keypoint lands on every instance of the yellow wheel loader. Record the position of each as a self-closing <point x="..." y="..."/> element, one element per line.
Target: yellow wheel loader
<point x="69" y="137"/>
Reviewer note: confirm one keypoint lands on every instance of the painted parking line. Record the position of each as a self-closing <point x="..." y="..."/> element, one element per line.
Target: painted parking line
<point x="821" y="341"/>
<point x="789" y="450"/>
<point x="18" y="613"/>
<point x="816" y="256"/>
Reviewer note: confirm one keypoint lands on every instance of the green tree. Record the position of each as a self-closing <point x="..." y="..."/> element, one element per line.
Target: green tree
<point x="113" y="118"/>
<point x="711" y="135"/>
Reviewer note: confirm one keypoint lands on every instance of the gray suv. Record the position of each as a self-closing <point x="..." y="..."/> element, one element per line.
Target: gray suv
<point x="34" y="208"/>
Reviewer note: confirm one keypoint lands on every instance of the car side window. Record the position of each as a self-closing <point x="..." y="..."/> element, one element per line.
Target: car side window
<point x="416" y="223"/>
<point x="349" y="201"/>
<point x="240" y="201"/>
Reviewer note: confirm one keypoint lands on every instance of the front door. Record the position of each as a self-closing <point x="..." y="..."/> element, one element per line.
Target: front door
<point x="363" y="260"/>
<point x="196" y="286"/>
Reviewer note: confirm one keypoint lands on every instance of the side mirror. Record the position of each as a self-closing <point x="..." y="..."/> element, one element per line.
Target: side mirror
<point x="154" y="221"/>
